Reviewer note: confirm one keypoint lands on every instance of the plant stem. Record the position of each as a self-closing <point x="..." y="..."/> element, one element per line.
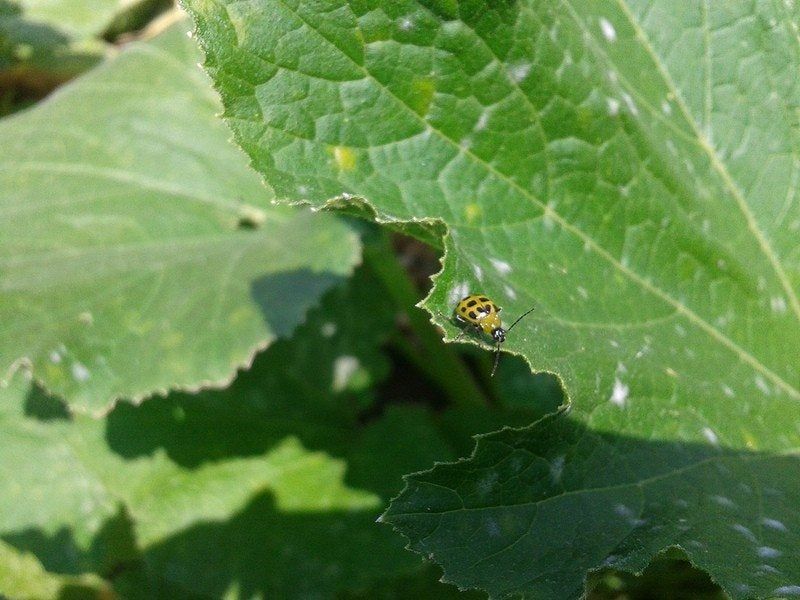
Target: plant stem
<point x="434" y="358"/>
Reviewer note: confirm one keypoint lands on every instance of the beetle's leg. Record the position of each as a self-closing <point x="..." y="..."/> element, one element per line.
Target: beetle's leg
<point x="496" y="359"/>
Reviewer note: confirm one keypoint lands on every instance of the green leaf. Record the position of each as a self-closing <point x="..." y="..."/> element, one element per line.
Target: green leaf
<point x="629" y="170"/>
<point x="138" y="252"/>
<point x="271" y="487"/>
<point x="544" y="505"/>
<point x="22" y="577"/>
<point x="192" y="489"/>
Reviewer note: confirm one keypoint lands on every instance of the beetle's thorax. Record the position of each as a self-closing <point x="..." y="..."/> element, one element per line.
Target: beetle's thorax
<point x="490" y="322"/>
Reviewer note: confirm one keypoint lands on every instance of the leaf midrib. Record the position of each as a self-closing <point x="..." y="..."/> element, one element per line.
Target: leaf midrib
<point x="704" y="143"/>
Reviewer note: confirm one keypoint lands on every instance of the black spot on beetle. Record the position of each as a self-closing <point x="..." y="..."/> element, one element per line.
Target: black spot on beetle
<point x="482" y="299"/>
<point x="472" y="314"/>
<point x="463" y="309"/>
<point x="472" y="303"/>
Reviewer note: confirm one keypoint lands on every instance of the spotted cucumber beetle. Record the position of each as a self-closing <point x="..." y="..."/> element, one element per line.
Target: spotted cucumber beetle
<point x="483" y="315"/>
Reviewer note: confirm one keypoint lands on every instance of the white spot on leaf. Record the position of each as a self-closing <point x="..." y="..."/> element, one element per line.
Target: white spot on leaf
<point x="519" y="71"/>
<point x="557" y="468"/>
<point x="80" y="372"/>
<point x="608" y="30"/>
<point x="787" y="590"/>
<point x="500" y="266"/>
<point x="623" y="511"/>
<point x="767" y="552"/>
<point x="768" y="569"/>
<point x="773" y="524"/>
<point x="723" y="501"/>
<point x="744" y="531"/>
<point x="630" y="103"/>
<point x="406" y="24"/>
<point x="709" y="434"/>
<point x="629" y="515"/>
<point x="457" y="292"/>
<point x="762" y="385"/>
<point x="778" y="305"/>
<point x="619" y="395"/>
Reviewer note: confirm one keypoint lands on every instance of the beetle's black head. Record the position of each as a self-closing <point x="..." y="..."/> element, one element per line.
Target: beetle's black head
<point x="499" y="335"/>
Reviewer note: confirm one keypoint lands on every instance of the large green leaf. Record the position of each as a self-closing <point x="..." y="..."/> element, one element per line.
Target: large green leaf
<point x="269" y="488"/>
<point x="138" y="252"/>
<point x="627" y="168"/>
<point x="545" y="504"/>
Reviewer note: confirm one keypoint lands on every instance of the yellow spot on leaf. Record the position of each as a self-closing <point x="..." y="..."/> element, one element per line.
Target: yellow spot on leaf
<point x="472" y="211"/>
<point x="345" y="158"/>
<point x="54" y="373"/>
<point x="423" y="89"/>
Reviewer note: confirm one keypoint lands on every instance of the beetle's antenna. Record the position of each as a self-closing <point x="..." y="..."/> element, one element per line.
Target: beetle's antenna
<point x="496" y="359"/>
<point x="497" y="351"/>
<point x="525" y="314"/>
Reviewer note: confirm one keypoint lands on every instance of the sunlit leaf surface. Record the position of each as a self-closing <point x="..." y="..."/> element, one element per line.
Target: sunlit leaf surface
<point x="138" y="252"/>
<point x="629" y="169"/>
